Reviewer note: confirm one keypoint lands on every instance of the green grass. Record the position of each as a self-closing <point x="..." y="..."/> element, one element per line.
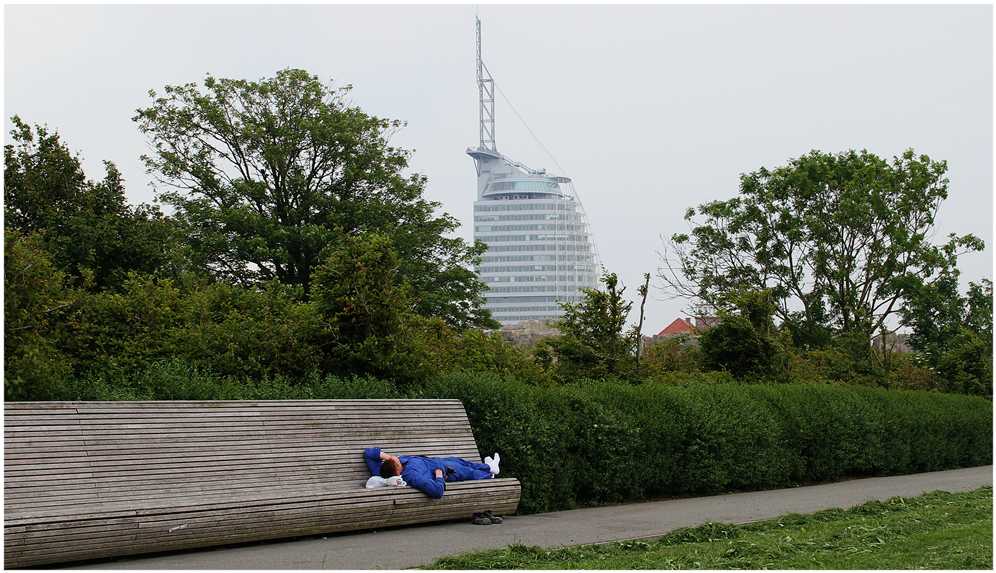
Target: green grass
<point x="938" y="530"/>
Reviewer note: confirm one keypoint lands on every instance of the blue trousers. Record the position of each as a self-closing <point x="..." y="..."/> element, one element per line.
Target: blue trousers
<point x="459" y="469"/>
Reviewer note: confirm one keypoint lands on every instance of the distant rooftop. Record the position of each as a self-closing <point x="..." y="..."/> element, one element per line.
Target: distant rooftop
<point x="686" y="326"/>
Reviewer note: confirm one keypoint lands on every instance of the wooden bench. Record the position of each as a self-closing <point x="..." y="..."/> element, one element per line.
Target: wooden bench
<point x="90" y="480"/>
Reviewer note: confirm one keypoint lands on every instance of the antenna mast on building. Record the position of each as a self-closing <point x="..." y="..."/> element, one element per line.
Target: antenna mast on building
<point x="486" y="88"/>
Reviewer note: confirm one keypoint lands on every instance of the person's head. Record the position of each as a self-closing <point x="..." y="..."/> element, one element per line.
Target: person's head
<point x="390" y="468"/>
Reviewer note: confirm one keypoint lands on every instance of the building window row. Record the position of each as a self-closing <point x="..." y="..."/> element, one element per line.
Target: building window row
<point x="526" y="258"/>
<point x="514" y="318"/>
<point x="530" y="268"/>
<point x="576" y="278"/>
<point x="538" y="247"/>
<point x="541" y="186"/>
<point x="559" y="206"/>
<point x="504" y="309"/>
<point x="533" y="227"/>
<point x="529" y="217"/>
<point x="517" y="196"/>
<point x="537" y="237"/>
<point x="533" y="298"/>
<point x="543" y="288"/>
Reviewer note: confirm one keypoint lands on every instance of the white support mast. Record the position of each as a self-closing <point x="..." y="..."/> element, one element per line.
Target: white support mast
<point x="486" y="89"/>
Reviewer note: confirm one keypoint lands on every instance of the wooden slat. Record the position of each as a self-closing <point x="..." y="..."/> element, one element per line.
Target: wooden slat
<point x="278" y="521"/>
<point x="149" y="506"/>
<point x="59" y="513"/>
<point x="125" y="404"/>
<point x="248" y="443"/>
<point x="195" y="461"/>
<point x="130" y="457"/>
<point x="155" y="527"/>
<point x="342" y="504"/>
<point x="39" y="514"/>
<point x="212" y="525"/>
<point x="94" y="429"/>
<point x="338" y="505"/>
<point x="29" y="455"/>
<point x="263" y="447"/>
<point x="377" y="417"/>
<point x="200" y="432"/>
<point x="330" y="474"/>
<point x="257" y="410"/>
<point x="188" y="459"/>
<point x="229" y="535"/>
<point x="289" y="497"/>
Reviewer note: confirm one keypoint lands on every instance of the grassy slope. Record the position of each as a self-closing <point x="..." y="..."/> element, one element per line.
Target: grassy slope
<point x="934" y="531"/>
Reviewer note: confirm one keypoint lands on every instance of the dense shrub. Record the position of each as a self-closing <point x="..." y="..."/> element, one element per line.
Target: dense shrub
<point x="679" y="353"/>
<point x="248" y="333"/>
<point x="593" y="340"/>
<point x="687" y="378"/>
<point x="602" y="442"/>
<point x="178" y="380"/>
<point x="736" y="346"/>
<point x="909" y="373"/>
<point x="966" y="365"/>
<point x="479" y="351"/>
<point x="229" y="331"/>
<point x="35" y="300"/>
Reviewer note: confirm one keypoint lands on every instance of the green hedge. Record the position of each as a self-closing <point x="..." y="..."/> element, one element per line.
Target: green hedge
<point x="611" y="442"/>
<point x="178" y="380"/>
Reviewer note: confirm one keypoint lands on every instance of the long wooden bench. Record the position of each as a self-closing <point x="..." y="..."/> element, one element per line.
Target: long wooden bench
<point x="90" y="480"/>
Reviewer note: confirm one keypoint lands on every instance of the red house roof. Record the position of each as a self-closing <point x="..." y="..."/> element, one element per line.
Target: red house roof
<point x="679" y="326"/>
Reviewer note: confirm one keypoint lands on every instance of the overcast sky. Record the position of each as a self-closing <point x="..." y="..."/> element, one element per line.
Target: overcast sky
<point x="651" y="109"/>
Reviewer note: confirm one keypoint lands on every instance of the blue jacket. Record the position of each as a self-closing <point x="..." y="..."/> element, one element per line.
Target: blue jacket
<point x="418" y="472"/>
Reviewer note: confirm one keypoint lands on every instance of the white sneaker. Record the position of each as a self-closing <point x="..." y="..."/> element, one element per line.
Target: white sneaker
<point x="493" y="463"/>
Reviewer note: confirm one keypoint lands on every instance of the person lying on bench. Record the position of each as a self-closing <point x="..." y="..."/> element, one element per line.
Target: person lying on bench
<point x="428" y="475"/>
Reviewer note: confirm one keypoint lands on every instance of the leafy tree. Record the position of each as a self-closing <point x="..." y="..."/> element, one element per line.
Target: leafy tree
<point x="979" y="308"/>
<point x="252" y="333"/>
<point x="367" y="307"/>
<point x="839" y="239"/>
<point x="446" y="349"/>
<point x="35" y="300"/>
<point x="593" y="343"/>
<point x="217" y="328"/>
<point x="745" y="344"/>
<point x="124" y="330"/>
<point x="87" y="226"/>
<point x="952" y="334"/>
<point x="267" y="174"/>
<point x="934" y="313"/>
<point x="909" y="374"/>
<point x="360" y="290"/>
<point x="966" y="365"/>
<point x="679" y="353"/>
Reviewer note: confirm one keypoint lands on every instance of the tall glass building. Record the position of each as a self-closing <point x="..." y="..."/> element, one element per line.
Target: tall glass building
<point x="540" y="251"/>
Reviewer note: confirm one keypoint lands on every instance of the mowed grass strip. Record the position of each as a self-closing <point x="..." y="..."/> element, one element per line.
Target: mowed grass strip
<point x="938" y="530"/>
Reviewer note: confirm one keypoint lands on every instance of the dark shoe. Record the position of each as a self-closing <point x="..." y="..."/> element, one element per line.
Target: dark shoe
<point x="494" y="518"/>
<point x="482" y="521"/>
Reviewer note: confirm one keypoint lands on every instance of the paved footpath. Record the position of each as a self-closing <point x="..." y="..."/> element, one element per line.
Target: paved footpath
<point x="414" y="546"/>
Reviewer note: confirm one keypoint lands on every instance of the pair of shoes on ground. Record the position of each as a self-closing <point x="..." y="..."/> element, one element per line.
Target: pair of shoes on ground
<point x="492" y="463"/>
<point x="487" y="518"/>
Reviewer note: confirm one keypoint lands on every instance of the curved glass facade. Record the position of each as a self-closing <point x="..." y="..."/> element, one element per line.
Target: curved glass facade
<point x="530" y="219"/>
